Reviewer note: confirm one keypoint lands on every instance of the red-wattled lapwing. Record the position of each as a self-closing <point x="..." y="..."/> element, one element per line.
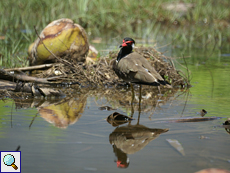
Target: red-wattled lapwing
<point x="134" y="68"/>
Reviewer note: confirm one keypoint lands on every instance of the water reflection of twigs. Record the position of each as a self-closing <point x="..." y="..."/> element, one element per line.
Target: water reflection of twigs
<point x="65" y="111"/>
<point x="212" y="80"/>
<point x="157" y="105"/>
<point x="207" y="57"/>
<point x="139" y="110"/>
<point x="11" y="115"/>
<point x="132" y="108"/>
<point x="214" y="47"/>
<point x="186" y="100"/>
<point x="139" y="103"/>
<point x="128" y="99"/>
<point x="175" y="97"/>
<point x="171" y="101"/>
<point x="18" y="148"/>
<point x="188" y="77"/>
<point x="33" y="120"/>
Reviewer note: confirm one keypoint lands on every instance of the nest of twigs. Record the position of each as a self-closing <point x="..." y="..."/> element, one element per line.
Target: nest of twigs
<point x="100" y="73"/>
<point x="95" y="73"/>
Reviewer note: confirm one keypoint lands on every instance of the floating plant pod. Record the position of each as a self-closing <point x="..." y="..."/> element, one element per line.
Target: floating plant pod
<point x="64" y="38"/>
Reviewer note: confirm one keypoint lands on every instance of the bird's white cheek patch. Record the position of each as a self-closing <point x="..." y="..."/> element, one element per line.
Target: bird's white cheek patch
<point x="133" y="45"/>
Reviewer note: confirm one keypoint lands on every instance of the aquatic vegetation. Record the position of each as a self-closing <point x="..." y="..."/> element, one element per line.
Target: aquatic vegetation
<point x="200" y="23"/>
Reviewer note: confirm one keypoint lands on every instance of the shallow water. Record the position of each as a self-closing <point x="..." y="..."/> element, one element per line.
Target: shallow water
<point x="72" y="135"/>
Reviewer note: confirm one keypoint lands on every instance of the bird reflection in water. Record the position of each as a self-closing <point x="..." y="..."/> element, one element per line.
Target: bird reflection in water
<point x="130" y="139"/>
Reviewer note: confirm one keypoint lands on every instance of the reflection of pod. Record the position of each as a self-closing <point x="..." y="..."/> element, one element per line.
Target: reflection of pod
<point x="116" y="119"/>
<point x="65" y="113"/>
<point x="62" y="37"/>
<point x="203" y="112"/>
<point x="133" y="138"/>
<point x="226" y="125"/>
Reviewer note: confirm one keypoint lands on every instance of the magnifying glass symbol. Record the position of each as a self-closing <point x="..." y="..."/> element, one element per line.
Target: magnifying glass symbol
<point x="9" y="160"/>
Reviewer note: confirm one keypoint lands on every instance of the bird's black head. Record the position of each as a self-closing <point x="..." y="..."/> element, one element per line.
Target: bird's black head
<point x="128" y="42"/>
<point x="126" y="48"/>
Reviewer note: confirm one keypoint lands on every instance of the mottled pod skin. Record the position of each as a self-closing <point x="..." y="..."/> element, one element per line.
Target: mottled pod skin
<point x="63" y="38"/>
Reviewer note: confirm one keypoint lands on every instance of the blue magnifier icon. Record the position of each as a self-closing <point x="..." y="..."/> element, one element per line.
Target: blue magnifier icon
<point x="9" y="160"/>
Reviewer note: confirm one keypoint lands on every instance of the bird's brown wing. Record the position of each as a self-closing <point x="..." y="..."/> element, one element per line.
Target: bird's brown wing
<point x="143" y="70"/>
<point x="127" y="65"/>
<point x="133" y="68"/>
<point x="141" y="61"/>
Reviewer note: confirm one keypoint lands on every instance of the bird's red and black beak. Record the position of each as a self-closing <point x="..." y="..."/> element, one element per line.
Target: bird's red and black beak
<point x="124" y="44"/>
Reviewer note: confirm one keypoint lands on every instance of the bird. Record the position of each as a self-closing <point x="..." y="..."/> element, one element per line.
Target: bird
<point x="134" y="68"/>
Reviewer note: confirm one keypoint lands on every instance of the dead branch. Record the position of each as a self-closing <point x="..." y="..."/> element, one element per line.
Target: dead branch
<point x="30" y="68"/>
<point x="21" y="77"/>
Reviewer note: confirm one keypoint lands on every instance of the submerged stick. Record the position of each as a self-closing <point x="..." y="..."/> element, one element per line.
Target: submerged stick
<point x="186" y="119"/>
